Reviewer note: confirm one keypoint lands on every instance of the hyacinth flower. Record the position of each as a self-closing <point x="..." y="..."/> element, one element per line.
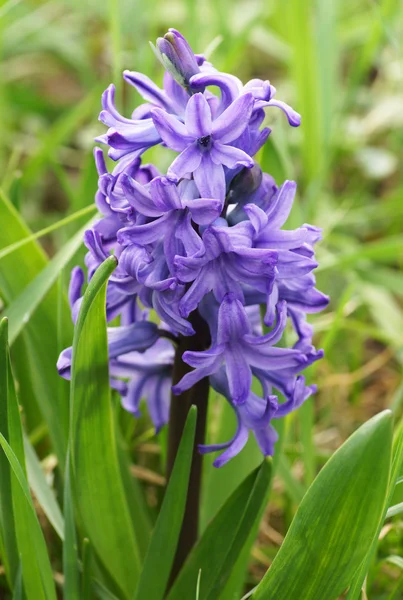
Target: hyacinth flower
<point x="204" y="247"/>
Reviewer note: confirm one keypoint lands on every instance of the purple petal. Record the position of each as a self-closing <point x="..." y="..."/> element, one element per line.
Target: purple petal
<point x="138" y="336"/>
<point x="230" y="157"/>
<point x="275" y="334"/>
<point x="232" y="320"/>
<point x="233" y="121"/>
<point x="138" y="197"/>
<point x="166" y="311"/>
<point x="144" y="234"/>
<point x="198" y="117"/>
<point x="131" y="401"/>
<point x="237" y="444"/>
<point x="64" y="363"/>
<point x="190" y="379"/>
<point x="76" y="285"/>
<point x="280" y="206"/>
<point x="177" y="95"/>
<point x="280" y="358"/>
<point x="239" y="374"/>
<point x="165" y="194"/>
<point x="229" y="85"/>
<point x="203" y="284"/>
<point x="189" y="237"/>
<point x="172" y="131"/>
<point x="293" y="117"/>
<point x="204" y="358"/>
<point x="100" y="161"/>
<point x="210" y="178"/>
<point x="187" y="162"/>
<point x="204" y="210"/>
<point x="147" y="88"/>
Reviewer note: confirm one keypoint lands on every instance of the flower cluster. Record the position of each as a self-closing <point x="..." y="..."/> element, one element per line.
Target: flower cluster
<point x="205" y="236"/>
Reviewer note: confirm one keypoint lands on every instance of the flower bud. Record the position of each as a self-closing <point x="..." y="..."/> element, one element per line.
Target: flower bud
<point x="177" y="57"/>
<point x="245" y="183"/>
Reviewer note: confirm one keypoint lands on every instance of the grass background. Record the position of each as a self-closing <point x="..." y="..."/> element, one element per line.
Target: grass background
<point x="339" y="63"/>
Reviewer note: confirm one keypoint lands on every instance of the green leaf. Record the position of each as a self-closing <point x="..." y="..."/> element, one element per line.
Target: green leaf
<point x="164" y="541"/>
<point x="21" y="309"/>
<point x="97" y="483"/>
<point x="10" y="557"/>
<point x="397" y="460"/>
<point x="18" y="586"/>
<point x="253" y="512"/>
<point x="71" y="588"/>
<point x="222" y="542"/>
<point x="46" y="230"/>
<point x="60" y="131"/>
<point x="218" y="484"/>
<point x="135" y="498"/>
<point x="43" y="493"/>
<point x="397" y="509"/>
<point x="86" y="578"/>
<point x="36" y="570"/>
<point x="37" y="349"/>
<point x="336" y="521"/>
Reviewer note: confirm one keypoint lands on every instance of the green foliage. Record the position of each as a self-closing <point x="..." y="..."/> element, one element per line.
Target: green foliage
<point x="161" y="552"/>
<point x="94" y="460"/>
<point x="222" y="542"/>
<point x="336" y="521"/>
<point x="23" y="532"/>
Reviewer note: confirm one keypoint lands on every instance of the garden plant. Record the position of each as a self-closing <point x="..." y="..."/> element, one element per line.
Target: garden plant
<point x="166" y="425"/>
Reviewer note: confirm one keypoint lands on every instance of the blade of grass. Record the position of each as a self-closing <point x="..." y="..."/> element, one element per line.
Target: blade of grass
<point x="9" y="554"/>
<point x="43" y="493"/>
<point x="71" y="587"/>
<point x="161" y="552"/>
<point x="21" y="309"/>
<point x="210" y="555"/>
<point x="38" y="234"/>
<point x="36" y="350"/>
<point x="36" y="569"/>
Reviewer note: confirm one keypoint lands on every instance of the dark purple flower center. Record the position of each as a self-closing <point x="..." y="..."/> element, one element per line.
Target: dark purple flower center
<point x="205" y="142"/>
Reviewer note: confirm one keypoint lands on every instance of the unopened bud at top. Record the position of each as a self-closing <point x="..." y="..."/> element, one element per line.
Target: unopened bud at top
<point x="177" y="57"/>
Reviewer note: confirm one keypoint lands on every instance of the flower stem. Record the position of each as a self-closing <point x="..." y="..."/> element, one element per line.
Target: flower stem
<point x="180" y="405"/>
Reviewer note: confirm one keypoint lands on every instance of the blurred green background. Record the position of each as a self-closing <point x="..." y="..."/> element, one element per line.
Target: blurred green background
<point x="339" y="63"/>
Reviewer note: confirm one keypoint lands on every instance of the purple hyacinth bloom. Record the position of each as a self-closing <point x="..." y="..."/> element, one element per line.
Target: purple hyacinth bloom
<point x="254" y="415"/>
<point x="205" y="237"/>
<point x="226" y="260"/>
<point x="240" y="350"/>
<point x="204" y="142"/>
<point x="149" y="376"/>
<point x="231" y="88"/>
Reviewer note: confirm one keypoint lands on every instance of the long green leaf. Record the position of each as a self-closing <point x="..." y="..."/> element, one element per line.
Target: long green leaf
<point x="253" y="512"/>
<point x="226" y="531"/>
<point x="164" y="541"/>
<point x="397" y="461"/>
<point x="36" y="570"/>
<point x="71" y="588"/>
<point x="218" y="484"/>
<point x="21" y="309"/>
<point x="10" y="557"/>
<point x="336" y="521"/>
<point x="97" y="482"/>
<point x="36" y="350"/>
